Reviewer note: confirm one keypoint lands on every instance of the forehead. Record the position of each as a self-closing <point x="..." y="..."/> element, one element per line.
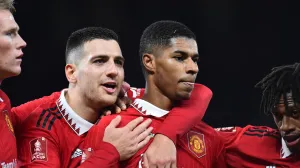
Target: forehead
<point x="184" y="44"/>
<point x="7" y="20"/>
<point x="102" y="47"/>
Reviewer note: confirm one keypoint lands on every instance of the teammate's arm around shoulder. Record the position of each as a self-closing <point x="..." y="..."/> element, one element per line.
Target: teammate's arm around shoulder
<point x="162" y="151"/>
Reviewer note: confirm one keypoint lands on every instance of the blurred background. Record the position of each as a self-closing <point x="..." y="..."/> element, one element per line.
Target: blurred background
<point x="239" y="42"/>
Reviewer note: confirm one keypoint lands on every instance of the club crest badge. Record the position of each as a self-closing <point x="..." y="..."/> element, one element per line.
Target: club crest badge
<point x="196" y="143"/>
<point x="8" y="121"/>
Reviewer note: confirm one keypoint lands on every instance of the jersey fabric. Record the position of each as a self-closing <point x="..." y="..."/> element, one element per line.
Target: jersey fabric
<point x="188" y="112"/>
<point x="52" y="136"/>
<point x="257" y="146"/>
<point x="198" y="147"/>
<point x="8" y="146"/>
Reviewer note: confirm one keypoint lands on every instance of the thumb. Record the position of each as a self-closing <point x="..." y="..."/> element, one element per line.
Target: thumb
<point x="115" y="122"/>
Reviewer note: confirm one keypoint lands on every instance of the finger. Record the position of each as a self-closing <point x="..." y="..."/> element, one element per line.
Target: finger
<point x="143" y="143"/>
<point x="115" y="122"/>
<point x="144" y="135"/>
<point x="107" y="112"/>
<point x="121" y="103"/>
<point x="145" y="161"/>
<point x="173" y="165"/>
<point x="125" y="87"/>
<point x="132" y="124"/>
<point x="142" y="127"/>
<point x="117" y="109"/>
<point x="168" y="165"/>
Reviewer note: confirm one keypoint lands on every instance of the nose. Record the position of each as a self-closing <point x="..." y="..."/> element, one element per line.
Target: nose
<point x="191" y="66"/>
<point x="287" y="126"/>
<point x="112" y="70"/>
<point x="21" y="43"/>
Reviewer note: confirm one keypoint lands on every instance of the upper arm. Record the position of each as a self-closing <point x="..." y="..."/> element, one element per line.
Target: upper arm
<point x="188" y="113"/>
<point x="38" y="147"/>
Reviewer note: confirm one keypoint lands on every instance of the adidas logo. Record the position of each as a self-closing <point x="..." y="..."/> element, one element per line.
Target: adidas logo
<point x="78" y="152"/>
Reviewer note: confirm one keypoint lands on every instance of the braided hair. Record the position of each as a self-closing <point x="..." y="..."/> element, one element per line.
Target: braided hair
<point x="281" y="80"/>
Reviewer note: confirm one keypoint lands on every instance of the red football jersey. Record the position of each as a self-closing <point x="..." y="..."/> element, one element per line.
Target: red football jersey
<point x="52" y="136"/>
<point x="8" y="146"/>
<point x="256" y="147"/>
<point x="198" y="147"/>
<point x="20" y="113"/>
<point x="188" y="112"/>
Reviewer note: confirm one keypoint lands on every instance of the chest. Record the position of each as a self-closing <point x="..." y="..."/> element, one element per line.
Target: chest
<point x="71" y="148"/>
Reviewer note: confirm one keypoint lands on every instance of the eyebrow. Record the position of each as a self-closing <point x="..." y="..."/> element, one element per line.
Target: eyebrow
<point x="119" y="57"/>
<point x="13" y="29"/>
<point x="185" y="53"/>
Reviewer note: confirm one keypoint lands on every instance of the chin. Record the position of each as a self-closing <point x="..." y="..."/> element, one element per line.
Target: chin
<point x="109" y="100"/>
<point x="183" y="96"/>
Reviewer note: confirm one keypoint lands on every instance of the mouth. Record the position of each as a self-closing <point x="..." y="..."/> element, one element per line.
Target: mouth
<point x="189" y="84"/>
<point x="19" y="57"/>
<point x="292" y="140"/>
<point x="110" y="87"/>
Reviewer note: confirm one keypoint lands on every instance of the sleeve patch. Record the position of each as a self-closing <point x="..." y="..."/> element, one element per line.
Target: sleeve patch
<point x="38" y="149"/>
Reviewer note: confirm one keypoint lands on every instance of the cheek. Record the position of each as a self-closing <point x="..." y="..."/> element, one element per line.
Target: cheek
<point x="5" y="46"/>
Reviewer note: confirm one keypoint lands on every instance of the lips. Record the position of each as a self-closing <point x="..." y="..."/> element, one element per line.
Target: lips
<point x="292" y="140"/>
<point x="20" y="56"/>
<point x="110" y="87"/>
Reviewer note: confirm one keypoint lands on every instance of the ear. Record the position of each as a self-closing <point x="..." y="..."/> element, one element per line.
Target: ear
<point x="149" y="62"/>
<point x="70" y="70"/>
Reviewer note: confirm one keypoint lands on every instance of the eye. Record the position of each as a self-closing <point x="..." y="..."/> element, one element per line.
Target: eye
<point x="119" y="62"/>
<point x="179" y="58"/>
<point x="295" y="113"/>
<point x="99" y="61"/>
<point x="196" y="59"/>
<point x="11" y="33"/>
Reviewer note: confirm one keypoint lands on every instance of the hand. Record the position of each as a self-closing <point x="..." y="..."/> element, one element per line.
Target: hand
<point x="161" y="153"/>
<point x="130" y="138"/>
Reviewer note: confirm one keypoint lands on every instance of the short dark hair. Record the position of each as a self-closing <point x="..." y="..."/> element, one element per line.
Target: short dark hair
<point x="7" y="5"/>
<point x="81" y="36"/>
<point x="159" y="34"/>
<point x="280" y="81"/>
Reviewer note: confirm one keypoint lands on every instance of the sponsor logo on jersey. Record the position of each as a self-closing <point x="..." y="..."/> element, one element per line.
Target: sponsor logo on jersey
<point x="196" y="143"/>
<point x="8" y="122"/>
<point x="12" y="164"/>
<point x="38" y="149"/>
<point x="78" y="152"/>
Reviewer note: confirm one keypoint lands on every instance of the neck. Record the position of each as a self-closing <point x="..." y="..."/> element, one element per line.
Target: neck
<point x="81" y="106"/>
<point x="155" y="96"/>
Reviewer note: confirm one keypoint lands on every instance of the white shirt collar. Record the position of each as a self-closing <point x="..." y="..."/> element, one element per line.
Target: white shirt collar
<point x="284" y="152"/>
<point x="76" y="123"/>
<point x="147" y="108"/>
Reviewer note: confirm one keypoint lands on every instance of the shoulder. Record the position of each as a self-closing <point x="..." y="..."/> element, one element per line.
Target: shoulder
<point x="261" y="131"/>
<point x="45" y="117"/>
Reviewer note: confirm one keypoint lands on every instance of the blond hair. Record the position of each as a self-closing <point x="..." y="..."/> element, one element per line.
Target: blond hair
<point x="7" y="5"/>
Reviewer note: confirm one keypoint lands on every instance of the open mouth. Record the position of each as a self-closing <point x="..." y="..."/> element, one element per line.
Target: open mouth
<point x="292" y="139"/>
<point x="110" y="87"/>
